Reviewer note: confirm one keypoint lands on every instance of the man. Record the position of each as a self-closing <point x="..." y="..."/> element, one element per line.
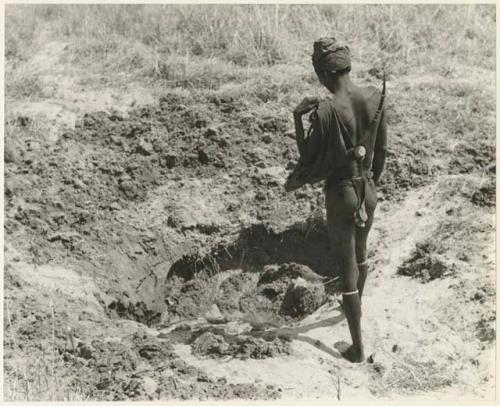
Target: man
<point x="345" y="145"/>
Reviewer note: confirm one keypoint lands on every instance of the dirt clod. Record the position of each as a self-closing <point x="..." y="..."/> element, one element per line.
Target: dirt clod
<point x="210" y="344"/>
<point x="144" y="148"/>
<point x="232" y="289"/>
<point x="425" y="264"/>
<point x="242" y="347"/>
<point x="486" y="194"/>
<point x="302" y="298"/>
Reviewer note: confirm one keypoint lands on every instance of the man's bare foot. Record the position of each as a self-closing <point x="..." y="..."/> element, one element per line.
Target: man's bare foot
<point x="354" y="354"/>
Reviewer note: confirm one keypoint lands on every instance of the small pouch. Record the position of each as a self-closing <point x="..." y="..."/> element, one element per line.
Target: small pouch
<point x="360" y="216"/>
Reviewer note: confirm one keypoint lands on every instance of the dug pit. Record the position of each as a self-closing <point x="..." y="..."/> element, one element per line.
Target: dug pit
<point x="229" y="273"/>
<point x="238" y="313"/>
<point x="233" y="301"/>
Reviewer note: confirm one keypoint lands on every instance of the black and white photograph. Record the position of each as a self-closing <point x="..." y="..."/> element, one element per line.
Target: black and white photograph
<point x="249" y="202"/>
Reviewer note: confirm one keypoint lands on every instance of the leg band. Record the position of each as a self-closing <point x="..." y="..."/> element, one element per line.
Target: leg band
<point x="363" y="263"/>
<point x="350" y="293"/>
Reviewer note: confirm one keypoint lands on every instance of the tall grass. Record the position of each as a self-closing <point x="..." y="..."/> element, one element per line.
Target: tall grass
<point x="256" y="35"/>
<point x="34" y="375"/>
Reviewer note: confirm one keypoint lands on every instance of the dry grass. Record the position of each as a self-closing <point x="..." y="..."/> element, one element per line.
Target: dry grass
<point x="231" y="48"/>
<point x="256" y="35"/>
<point x="38" y="374"/>
<point x="41" y="378"/>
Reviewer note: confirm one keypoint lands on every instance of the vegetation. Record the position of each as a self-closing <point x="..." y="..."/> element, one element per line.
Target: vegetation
<point x="143" y="37"/>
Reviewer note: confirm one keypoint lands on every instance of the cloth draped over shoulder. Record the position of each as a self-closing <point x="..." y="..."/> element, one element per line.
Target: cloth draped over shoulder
<point x="322" y="150"/>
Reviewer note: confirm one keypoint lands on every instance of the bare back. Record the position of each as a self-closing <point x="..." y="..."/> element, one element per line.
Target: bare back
<point x="356" y="110"/>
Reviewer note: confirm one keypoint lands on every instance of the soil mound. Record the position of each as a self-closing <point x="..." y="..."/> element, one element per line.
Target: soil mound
<point x="277" y="293"/>
<point x="425" y="264"/>
<point x="286" y="272"/>
<point x="241" y="347"/>
<point x="486" y="194"/>
<point x="233" y="289"/>
<point x="302" y="298"/>
<point x="186" y="299"/>
<point x="142" y="367"/>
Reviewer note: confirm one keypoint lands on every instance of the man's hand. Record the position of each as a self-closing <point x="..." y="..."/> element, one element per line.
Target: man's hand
<point x="306" y="106"/>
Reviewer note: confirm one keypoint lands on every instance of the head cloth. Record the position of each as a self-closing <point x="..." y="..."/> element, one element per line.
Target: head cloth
<point x="330" y="56"/>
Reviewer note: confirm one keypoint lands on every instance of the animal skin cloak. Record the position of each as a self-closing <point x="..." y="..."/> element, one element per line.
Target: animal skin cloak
<point x="325" y="148"/>
<point x="322" y="150"/>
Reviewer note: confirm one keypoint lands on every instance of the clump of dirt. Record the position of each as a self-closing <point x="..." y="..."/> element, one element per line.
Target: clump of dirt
<point x="242" y="347"/>
<point x="109" y="367"/>
<point x="302" y="298"/>
<point x="280" y="284"/>
<point x="404" y="170"/>
<point x="277" y="293"/>
<point x="144" y="368"/>
<point x="486" y="194"/>
<point x="210" y="344"/>
<point x="485" y="329"/>
<point x="190" y="298"/>
<point x="483" y="294"/>
<point x="232" y="289"/>
<point x="283" y="273"/>
<point x="138" y="311"/>
<point x="426" y="263"/>
<point x="468" y="157"/>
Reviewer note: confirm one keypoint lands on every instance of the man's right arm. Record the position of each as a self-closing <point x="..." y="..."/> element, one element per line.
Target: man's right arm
<point x="308" y="104"/>
<point x="380" y="149"/>
<point x="299" y="131"/>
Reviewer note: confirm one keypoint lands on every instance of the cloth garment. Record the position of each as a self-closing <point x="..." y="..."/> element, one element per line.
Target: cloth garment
<point x="330" y="56"/>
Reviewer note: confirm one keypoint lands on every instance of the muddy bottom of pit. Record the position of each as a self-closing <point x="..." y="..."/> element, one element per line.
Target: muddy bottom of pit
<point x="239" y="314"/>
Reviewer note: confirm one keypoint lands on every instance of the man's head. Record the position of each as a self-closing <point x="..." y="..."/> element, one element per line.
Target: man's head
<point x="330" y="59"/>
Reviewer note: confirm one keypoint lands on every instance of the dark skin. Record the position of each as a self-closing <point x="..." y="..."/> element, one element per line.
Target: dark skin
<point x="356" y="108"/>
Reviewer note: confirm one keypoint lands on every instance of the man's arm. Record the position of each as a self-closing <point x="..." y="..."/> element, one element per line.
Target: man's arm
<point x="380" y="149"/>
<point x="308" y="104"/>
<point x="299" y="132"/>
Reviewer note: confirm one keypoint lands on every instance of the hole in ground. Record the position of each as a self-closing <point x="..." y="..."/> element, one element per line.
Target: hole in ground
<point x="263" y="277"/>
<point x="257" y="246"/>
<point x="252" y="276"/>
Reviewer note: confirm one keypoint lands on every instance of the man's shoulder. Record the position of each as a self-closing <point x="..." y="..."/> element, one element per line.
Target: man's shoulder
<point x="326" y="107"/>
<point x="322" y="115"/>
<point x="369" y="96"/>
<point x="369" y="92"/>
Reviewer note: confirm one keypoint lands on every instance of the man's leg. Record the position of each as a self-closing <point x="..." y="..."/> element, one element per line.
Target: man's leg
<point x="361" y="239"/>
<point x="362" y="236"/>
<point x="350" y="296"/>
<point x="352" y="308"/>
<point x="341" y="231"/>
